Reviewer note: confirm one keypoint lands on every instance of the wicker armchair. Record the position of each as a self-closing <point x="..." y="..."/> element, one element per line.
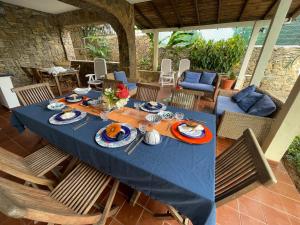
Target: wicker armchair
<point x="216" y="84"/>
<point x="233" y="124"/>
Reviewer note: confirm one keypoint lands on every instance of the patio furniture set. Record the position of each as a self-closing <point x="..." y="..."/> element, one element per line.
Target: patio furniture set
<point x="95" y="157"/>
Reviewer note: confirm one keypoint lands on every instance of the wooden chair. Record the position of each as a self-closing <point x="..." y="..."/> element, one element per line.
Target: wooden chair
<point x="68" y="203"/>
<point x="239" y="169"/>
<point x="34" y="93"/>
<point x="185" y="99"/>
<point x="28" y="73"/>
<point x="146" y="92"/>
<point x="107" y="83"/>
<point x="33" y="167"/>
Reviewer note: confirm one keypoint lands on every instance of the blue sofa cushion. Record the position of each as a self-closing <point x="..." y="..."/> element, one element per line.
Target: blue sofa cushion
<point x="207" y="78"/>
<point x="131" y="86"/>
<point x="197" y="86"/>
<point x="263" y="107"/>
<point x="225" y="103"/>
<point x="243" y="93"/>
<point x="192" y="77"/>
<point x="249" y="100"/>
<point x="120" y="76"/>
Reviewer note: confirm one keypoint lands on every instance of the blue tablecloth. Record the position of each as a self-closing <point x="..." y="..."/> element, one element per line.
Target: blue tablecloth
<point x="172" y="172"/>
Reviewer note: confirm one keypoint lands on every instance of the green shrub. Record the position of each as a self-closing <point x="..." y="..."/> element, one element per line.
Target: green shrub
<point x="97" y="46"/>
<point x="293" y="153"/>
<point x="220" y="56"/>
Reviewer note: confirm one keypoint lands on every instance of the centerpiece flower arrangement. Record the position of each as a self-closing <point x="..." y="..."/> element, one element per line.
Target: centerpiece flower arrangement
<point x="116" y="98"/>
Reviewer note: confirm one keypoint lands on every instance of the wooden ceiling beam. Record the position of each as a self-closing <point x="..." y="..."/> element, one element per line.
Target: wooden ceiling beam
<point x="178" y="16"/>
<point x="197" y="11"/>
<point x="219" y="10"/>
<point x="270" y="8"/>
<point x="157" y="12"/>
<point x="142" y="26"/>
<point x="243" y="10"/>
<point x="295" y="13"/>
<point x="136" y="9"/>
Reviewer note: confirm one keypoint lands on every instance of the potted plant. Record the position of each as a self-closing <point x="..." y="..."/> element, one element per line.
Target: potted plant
<point x="227" y="82"/>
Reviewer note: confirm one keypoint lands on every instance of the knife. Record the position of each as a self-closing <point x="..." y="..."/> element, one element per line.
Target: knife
<point x="136" y="144"/>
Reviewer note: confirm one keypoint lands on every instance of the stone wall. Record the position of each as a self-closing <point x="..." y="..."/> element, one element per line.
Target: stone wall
<point x="29" y="38"/>
<point x="279" y="78"/>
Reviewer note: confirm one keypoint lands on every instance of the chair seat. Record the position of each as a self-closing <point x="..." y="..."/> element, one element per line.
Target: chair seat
<point x="95" y="82"/>
<point x="131" y="86"/>
<point x="197" y="86"/>
<point x="225" y="103"/>
<point x="45" y="159"/>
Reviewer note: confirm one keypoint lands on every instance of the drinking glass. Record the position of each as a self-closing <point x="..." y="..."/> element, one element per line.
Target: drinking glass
<point x="179" y="116"/>
<point x="143" y="127"/>
<point x="136" y="105"/>
<point x="104" y="115"/>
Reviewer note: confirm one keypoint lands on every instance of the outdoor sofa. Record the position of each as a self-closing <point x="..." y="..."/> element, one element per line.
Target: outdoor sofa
<point x="233" y="121"/>
<point x="206" y="82"/>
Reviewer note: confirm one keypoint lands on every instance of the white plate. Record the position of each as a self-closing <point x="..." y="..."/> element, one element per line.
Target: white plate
<point x="56" y="106"/>
<point x="191" y="132"/>
<point x="142" y="107"/>
<point x="53" y="121"/>
<point x="117" y="144"/>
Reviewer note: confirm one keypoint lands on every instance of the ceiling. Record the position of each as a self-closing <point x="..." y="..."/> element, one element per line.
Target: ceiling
<point x="48" y="6"/>
<point x="157" y="14"/>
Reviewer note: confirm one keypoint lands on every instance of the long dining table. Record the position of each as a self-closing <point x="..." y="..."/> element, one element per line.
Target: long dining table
<point x="173" y="172"/>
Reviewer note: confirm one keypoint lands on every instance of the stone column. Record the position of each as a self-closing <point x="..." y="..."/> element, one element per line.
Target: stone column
<point x="155" y="50"/>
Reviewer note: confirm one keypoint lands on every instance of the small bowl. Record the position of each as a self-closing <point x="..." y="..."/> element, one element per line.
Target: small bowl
<point x="82" y="91"/>
<point x="153" y="118"/>
<point x="166" y="115"/>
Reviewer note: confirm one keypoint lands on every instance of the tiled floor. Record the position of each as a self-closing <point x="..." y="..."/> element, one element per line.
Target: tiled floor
<point x="275" y="205"/>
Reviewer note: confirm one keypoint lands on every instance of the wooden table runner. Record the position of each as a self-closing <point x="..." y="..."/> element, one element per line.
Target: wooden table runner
<point x="126" y="115"/>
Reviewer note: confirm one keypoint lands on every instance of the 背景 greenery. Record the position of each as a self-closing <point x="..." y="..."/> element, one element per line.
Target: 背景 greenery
<point x="293" y="153"/>
<point x="220" y="56"/>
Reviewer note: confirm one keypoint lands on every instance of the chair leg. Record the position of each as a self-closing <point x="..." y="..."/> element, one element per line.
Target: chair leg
<point x="172" y="214"/>
<point x="134" y="198"/>
<point x="109" y="202"/>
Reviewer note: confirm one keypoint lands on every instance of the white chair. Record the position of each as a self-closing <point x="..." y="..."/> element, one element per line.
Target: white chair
<point x="100" y="72"/>
<point x="166" y="74"/>
<point x="184" y="65"/>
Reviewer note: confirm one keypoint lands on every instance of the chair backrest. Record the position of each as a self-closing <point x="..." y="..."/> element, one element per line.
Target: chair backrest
<point x="241" y="168"/>
<point x="185" y="99"/>
<point x="100" y="68"/>
<point x="36" y="74"/>
<point x="107" y="83"/>
<point x="146" y="92"/>
<point x="34" y="93"/>
<point x="184" y="65"/>
<point x="166" y="66"/>
<point x="27" y="71"/>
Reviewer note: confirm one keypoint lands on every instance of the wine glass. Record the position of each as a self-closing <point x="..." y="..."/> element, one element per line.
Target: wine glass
<point x="143" y="127"/>
<point x="136" y="105"/>
<point x="104" y="115"/>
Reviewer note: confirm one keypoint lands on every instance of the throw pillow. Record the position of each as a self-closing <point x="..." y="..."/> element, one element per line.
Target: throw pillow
<point x="249" y="100"/>
<point x="192" y="77"/>
<point x="243" y="93"/>
<point x="207" y="78"/>
<point x="120" y="76"/>
<point x="263" y="107"/>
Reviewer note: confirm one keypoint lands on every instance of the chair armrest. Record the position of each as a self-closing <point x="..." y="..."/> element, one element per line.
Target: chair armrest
<point x="90" y="75"/>
<point x="233" y="124"/>
<point x="227" y="93"/>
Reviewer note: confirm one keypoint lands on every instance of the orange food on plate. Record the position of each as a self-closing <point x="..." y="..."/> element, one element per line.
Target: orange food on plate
<point x="113" y="129"/>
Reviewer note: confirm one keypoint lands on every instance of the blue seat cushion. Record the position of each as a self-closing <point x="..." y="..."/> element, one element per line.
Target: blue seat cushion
<point x="225" y="103"/>
<point x="243" y="93"/>
<point x="207" y="78"/>
<point x="197" y="86"/>
<point x="131" y="86"/>
<point x="192" y="77"/>
<point x="120" y="76"/>
<point x="263" y="107"/>
<point x="249" y="100"/>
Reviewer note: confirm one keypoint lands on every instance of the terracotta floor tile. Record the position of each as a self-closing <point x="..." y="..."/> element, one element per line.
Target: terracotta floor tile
<point x="143" y="199"/>
<point x="14" y="147"/>
<point x="115" y="222"/>
<point x="233" y="204"/>
<point x="246" y="220"/>
<point x="291" y="206"/>
<point x="171" y="222"/>
<point x="275" y="217"/>
<point x="286" y="190"/>
<point x="148" y="219"/>
<point x="294" y="220"/>
<point x="267" y="197"/>
<point x="129" y="215"/>
<point x="156" y="206"/>
<point x="227" y="216"/>
<point x="251" y="208"/>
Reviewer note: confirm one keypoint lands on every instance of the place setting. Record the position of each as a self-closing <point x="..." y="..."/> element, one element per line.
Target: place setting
<point x="152" y="107"/>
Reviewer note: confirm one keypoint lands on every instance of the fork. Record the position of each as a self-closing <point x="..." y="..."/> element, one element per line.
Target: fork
<point x="82" y="124"/>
